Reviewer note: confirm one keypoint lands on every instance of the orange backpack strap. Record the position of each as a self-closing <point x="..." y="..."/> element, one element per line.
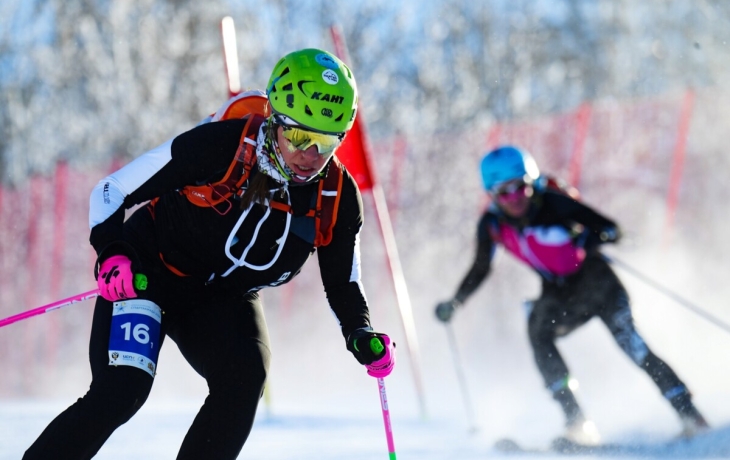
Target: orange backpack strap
<point x="328" y="203"/>
<point x="239" y="106"/>
<point x="213" y="194"/>
<point x="172" y="268"/>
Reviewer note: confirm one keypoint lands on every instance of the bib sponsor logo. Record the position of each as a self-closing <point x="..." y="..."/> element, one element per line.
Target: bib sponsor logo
<point x="134" y="335"/>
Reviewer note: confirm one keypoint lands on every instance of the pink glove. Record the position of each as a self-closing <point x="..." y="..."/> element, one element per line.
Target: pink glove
<point x="116" y="281"/>
<point x="383" y="366"/>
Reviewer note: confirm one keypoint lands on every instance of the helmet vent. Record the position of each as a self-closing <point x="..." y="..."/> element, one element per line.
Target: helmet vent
<point x="287" y="87"/>
<point x="308" y="110"/>
<point x="339" y="118"/>
<point x="290" y="101"/>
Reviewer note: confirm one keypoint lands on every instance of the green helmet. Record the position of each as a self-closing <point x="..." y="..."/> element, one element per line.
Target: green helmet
<point x="315" y="90"/>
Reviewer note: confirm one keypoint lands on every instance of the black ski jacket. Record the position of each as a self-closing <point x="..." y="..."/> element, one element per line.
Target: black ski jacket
<point x="553" y="238"/>
<point x="193" y="239"/>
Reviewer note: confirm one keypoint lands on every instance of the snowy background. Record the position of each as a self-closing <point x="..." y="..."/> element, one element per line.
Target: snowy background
<point x="632" y="90"/>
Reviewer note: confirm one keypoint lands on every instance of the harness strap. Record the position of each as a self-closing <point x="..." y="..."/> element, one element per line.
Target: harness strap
<point x="328" y="203"/>
<point x="151" y="206"/>
<point x="172" y="268"/>
<point x="280" y="206"/>
<point x="212" y="194"/>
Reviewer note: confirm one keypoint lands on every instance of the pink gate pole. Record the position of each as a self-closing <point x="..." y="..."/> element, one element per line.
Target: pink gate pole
<point x="51" y="306"/>
<point x="678" y="157"/>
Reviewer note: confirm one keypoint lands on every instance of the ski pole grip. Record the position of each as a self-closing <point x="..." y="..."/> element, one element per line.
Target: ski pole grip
<point x="376" y="346"/>
<point x="140" y="282"/>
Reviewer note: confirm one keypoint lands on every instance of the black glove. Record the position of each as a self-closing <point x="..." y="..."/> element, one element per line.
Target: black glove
<point x="359" y="345"/>
<point x="445" y="310"/>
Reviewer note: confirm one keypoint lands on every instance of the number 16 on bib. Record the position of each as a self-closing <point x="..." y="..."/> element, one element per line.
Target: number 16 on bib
<point x="134" y="338"/>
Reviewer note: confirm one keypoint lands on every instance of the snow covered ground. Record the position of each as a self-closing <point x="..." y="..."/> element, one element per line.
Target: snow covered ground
<point x="157" y="432"/>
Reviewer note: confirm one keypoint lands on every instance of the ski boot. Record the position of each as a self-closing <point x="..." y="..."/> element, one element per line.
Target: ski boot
<point x="582" y="431"/>
<point x="692" y="421"/>
<point x="578" y="429"/>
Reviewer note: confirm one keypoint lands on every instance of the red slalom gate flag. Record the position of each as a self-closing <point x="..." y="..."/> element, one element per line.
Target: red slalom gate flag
<point x="354" y="155"/>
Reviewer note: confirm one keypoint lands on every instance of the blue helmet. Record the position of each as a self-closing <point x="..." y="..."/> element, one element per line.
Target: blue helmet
<point x="507" y="163"/>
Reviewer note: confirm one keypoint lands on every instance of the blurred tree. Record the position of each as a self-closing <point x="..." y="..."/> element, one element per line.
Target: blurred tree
<point x="105" y="79"/>
<point x="87" y="80"/>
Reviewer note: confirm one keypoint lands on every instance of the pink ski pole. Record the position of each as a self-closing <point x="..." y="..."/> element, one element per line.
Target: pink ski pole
<point x="51" y="306"/>
<point x="377" y="347"/>
<point x="140" y="283"/>
<point x="386" y="419"/>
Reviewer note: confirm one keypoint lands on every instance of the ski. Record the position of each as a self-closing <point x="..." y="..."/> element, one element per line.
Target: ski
<point x="510" y="446"/>
<point x="564" y="446"/>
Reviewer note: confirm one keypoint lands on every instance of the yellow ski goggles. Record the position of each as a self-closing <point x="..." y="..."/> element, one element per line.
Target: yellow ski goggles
<point x="302" y="138"/>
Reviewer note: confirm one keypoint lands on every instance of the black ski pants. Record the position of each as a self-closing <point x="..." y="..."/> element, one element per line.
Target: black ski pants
<point x="566" y="305"/>
<point x="222" y="334"/>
